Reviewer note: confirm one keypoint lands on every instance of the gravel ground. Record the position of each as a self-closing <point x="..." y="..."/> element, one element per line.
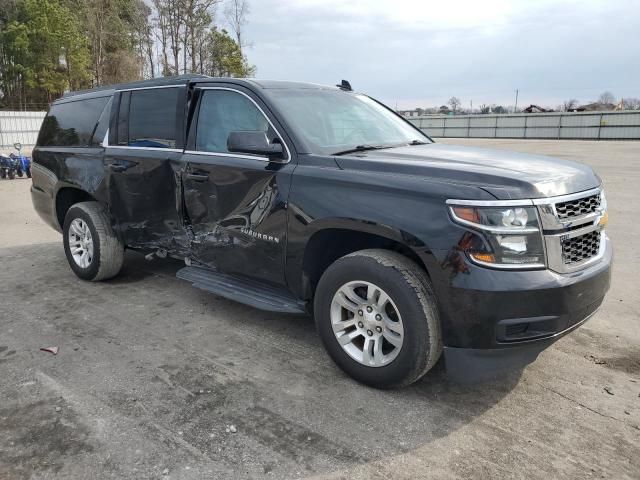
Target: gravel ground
<point x="155" y="379"/>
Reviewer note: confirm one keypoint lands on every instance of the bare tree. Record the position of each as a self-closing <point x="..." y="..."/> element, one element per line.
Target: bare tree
<point x="569" y="105"/>
<point x="607" y="97"/>
<point x="162" y="33"/>
<point x="236" y="12"/>
<point x="454" y="103"/>
<point x="631" y="103"/>
<point x="198" y="17"/>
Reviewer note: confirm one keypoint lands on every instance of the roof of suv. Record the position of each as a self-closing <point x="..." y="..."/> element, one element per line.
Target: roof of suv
<point x="183" y="80"/>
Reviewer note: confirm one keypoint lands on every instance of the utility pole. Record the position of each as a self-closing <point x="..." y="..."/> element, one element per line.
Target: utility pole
<point x="471" y="109"/>
<point x="515" y="109"/>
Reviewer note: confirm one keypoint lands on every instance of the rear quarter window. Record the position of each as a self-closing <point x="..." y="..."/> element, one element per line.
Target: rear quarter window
<point x="71" y="124"/>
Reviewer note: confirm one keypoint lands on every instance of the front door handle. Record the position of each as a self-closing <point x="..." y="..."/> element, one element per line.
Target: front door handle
<point x="116" y="167"/>
<point x="197" y="177"/>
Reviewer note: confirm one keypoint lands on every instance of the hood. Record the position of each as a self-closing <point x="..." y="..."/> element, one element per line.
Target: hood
<point x="506" y="175"/>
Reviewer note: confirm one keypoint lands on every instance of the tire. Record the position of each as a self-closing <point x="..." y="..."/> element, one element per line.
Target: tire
<point x="12" y="174"/>
<point x="20" y="172"/>
<point x="3" y="173"/>
<point x="28" y="171"/>
<point x="107" y="253"/>
<point x="410" y="296"/>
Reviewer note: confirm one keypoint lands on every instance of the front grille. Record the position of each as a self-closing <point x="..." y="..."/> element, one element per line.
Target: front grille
<point x="578" y="207"/>
<point x="580" y="248"/>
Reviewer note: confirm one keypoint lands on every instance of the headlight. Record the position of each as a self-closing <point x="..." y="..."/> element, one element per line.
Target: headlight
<point x="512" y="235"/>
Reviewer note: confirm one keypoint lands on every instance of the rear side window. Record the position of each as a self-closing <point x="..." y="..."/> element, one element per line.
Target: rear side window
<point x="71" y="124"/>
<point x="152" y="118"/>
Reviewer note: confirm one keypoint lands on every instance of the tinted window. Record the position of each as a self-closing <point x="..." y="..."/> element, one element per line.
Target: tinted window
<point x="103" y="125"/>
<point x="71" y="124"/>
<point x="152" y="118"/>
<point x="222" y="112"/>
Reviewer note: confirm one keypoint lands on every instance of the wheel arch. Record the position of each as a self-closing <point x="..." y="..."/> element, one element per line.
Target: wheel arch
<point x="331" y="240"/>
<point x="66" y="197"/>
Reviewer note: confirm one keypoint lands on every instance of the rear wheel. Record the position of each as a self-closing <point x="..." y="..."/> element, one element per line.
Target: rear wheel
<point x="93" y="250"/>
<point x="12" y="174"/>
<point x="3" y="173"/>
<point x="20" y="172"/>
<point x="28" y="170"/>
<point x="376" y="315"/>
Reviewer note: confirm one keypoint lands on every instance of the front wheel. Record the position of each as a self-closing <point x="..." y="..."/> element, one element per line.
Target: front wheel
<point x="12" y="174"/>
<point x="377" y="317"/>
<point x="28" y="170"/>
<point x="20" y="172"/>
<point x="3" y="173"/>
<point x="93" y="250"/>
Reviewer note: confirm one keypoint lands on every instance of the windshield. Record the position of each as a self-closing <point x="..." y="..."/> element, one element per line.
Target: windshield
<point x="333" y="121"/>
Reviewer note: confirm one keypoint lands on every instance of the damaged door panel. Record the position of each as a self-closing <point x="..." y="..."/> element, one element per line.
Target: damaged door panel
<point x="235" y="203"/>
<point x="142" y="189"/>
<point x="143" y="168"/>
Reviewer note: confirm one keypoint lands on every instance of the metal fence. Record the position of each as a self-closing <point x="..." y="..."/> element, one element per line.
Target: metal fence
<point x="578" y="125"/>
<point x="19" y="127"/>
<point x="23" y="127"/>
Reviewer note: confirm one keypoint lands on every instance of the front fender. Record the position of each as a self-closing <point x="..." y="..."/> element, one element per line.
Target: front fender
<point x="406" y="209"/>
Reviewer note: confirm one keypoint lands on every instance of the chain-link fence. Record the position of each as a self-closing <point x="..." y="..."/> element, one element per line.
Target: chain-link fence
<point x="578" y="125"/>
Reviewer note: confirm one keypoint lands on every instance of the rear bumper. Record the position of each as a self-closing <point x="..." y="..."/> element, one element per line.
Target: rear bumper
<point x="44" y="205"/>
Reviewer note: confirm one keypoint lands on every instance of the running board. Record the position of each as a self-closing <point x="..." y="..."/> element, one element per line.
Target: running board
<point x="250" y="292"/>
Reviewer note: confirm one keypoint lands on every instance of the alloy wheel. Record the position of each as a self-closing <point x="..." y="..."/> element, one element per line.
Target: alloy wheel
<point x="367" y="323"/>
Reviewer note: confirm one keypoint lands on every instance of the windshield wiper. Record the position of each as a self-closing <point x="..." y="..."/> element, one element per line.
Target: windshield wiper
<point x="361" y="148"/>
<point x="417" y="142"/>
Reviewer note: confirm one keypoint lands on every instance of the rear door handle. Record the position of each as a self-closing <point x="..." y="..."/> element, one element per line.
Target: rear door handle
<point x="197" y="177"/>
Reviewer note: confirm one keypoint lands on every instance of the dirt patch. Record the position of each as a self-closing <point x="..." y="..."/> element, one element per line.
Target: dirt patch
<point x="38" y="437"/>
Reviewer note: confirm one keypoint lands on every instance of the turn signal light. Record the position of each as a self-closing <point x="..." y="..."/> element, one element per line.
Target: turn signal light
<point x="469" y="214"/>
<point x="484" y="257"/>
<point x="604" y="219"/>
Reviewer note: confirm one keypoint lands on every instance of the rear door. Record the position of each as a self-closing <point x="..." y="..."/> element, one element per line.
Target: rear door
<point x="143" y="162"/>
<point x="235" y="203"/>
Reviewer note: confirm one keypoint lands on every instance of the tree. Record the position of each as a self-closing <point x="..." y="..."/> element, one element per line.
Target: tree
<point x="631" y="103"/>
<point x="454" y="103"/>
<point x="607" y="97"/>
<point x="44" y="52"/>
<point x="236" y="12"/>
<point x="569" y="105"/>
<point x="224" y="58"/>
<point x="50" y="46"/>
<point x="498" y="109"/>
<point x="119" y="34"/>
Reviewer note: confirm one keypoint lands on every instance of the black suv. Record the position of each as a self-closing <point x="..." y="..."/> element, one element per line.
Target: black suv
<point x="297" y="198"/>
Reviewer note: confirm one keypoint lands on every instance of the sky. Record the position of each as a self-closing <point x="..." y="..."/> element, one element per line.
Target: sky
<point x="412" y="53"/>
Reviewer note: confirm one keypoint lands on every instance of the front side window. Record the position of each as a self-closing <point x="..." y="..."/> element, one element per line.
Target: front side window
<point x="334" y="120"/>
<point x="152" y="118"/>
<point x="71" y="124"/>
<point x="223" y="112"/>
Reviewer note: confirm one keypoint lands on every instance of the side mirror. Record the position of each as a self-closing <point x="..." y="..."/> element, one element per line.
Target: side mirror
<point x="17" y="146"/>
<point x="256" y="143"/>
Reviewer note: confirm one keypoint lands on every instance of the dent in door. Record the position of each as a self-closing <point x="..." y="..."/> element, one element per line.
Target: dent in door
<point x="230" y="224"/>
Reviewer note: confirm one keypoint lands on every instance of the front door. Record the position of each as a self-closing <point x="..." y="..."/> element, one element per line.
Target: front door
<point x="235" y="203"/>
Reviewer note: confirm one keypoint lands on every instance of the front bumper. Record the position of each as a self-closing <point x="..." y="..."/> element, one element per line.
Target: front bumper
<point x="470" y="365"/>
<point x="494" y="321"/>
